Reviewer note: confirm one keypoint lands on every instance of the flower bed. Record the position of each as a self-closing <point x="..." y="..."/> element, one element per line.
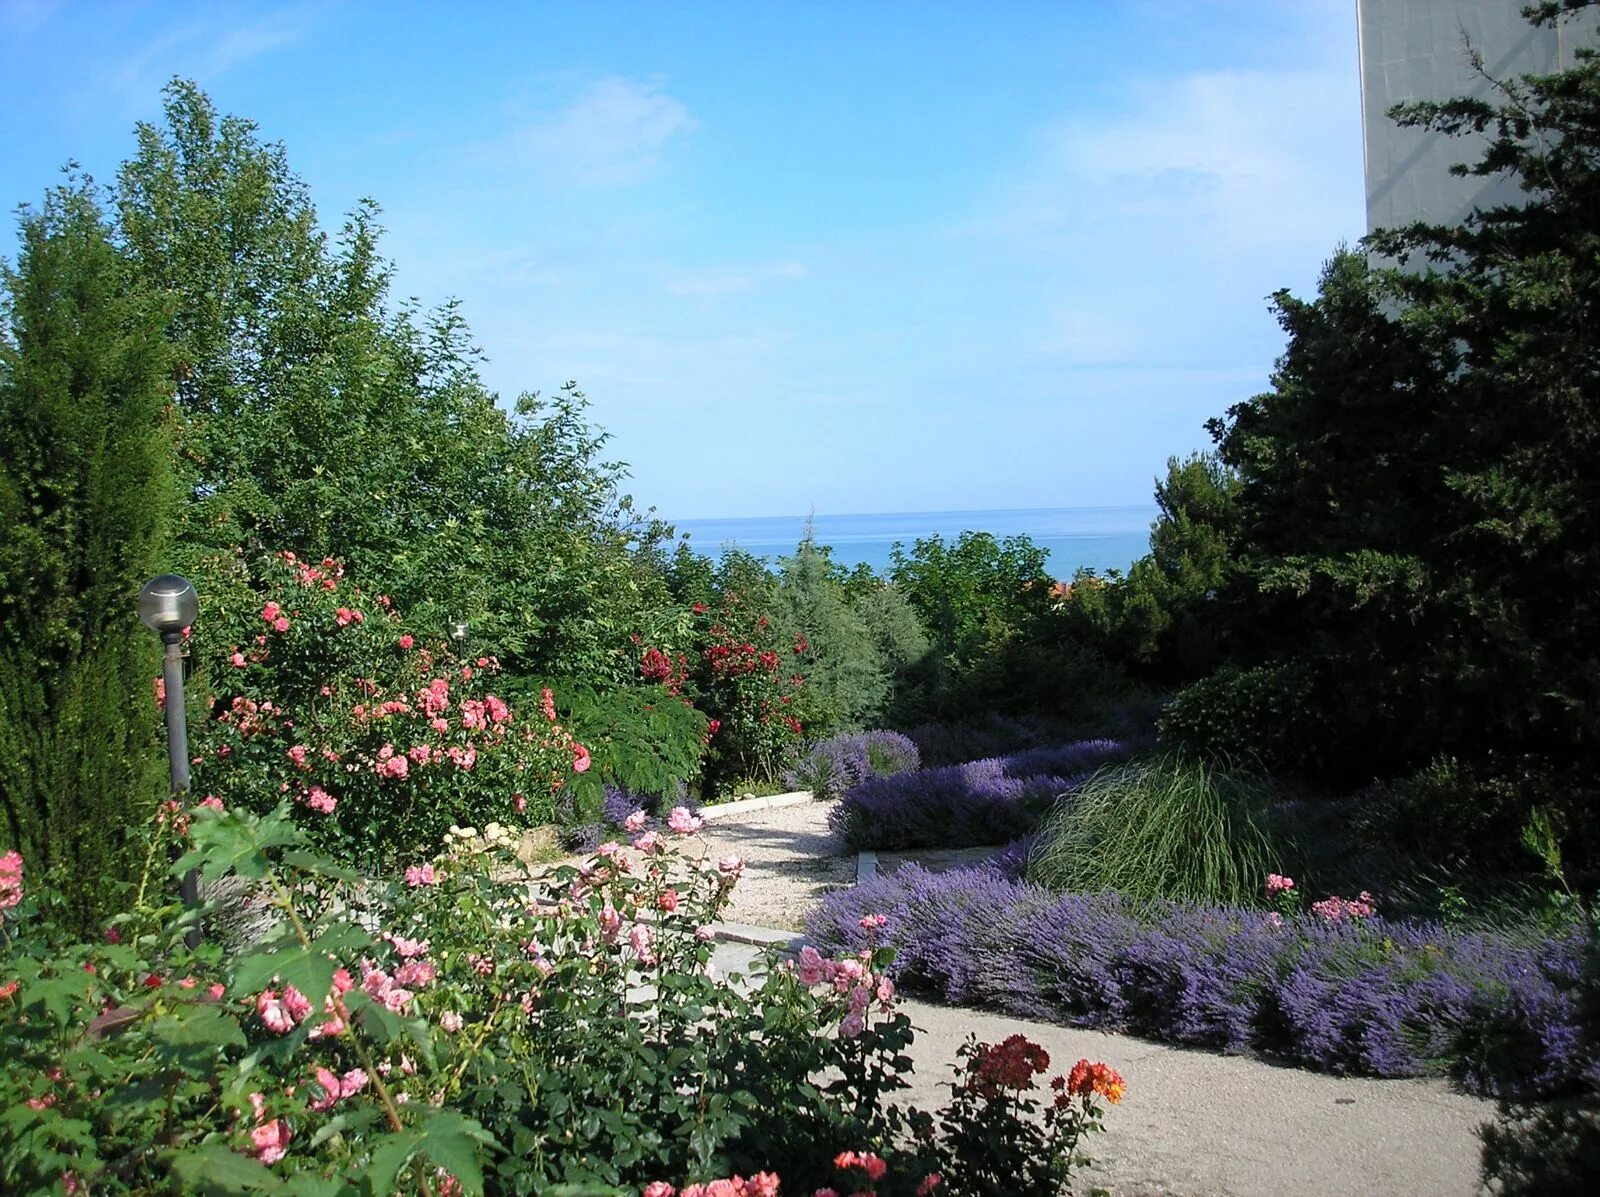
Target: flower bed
<point x="990" y="801"/>
<point x="1503" y="1012"/>
<point x="448" y="1034"/>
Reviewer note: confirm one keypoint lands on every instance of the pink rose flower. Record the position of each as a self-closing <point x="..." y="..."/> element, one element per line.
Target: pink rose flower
<point x="271" y="1141"/>
<point x="421" y="875"/>
<point x="635" y="822"/>
<point x="681" y="821"/>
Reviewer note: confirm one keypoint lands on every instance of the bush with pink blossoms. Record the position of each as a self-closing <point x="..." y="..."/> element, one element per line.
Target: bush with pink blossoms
<point x="445" y="1033"/>
<point x="380" y="737"/>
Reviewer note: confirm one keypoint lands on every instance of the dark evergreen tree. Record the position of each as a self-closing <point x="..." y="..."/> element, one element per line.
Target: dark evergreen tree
<point x="86" y="501"/>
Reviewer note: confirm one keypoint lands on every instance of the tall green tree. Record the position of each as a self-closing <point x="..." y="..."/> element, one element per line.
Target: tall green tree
<point x="320" y="420"/>
<point x="1419" y="531"/>
<point x="86" y="503"/>
<point x="849" y="676"/>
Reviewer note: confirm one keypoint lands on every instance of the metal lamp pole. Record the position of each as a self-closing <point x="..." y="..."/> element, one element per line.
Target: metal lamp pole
<point x="167" y="605"/>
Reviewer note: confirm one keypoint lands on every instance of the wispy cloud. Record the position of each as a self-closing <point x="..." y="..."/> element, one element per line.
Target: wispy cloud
<point x="1196" y="158"/>
<point x="614" y="133"/>
<point x="713" y="281"/>
<point x="211" y="46"/>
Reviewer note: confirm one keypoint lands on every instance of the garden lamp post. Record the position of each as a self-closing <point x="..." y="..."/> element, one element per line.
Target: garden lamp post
<point x="458" y="633"/>
<point x="167" y="605"/>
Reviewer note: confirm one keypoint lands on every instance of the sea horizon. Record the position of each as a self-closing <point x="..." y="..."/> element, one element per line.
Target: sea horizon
<point x="1074" y="538"/>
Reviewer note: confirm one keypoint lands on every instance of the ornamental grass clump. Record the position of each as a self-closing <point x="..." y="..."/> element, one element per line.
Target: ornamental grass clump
<point x="991" y="801"/>
<point x="1160" y="827"/>
<point x="1510" y="1013"/>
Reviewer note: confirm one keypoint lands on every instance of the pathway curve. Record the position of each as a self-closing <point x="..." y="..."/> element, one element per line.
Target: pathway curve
<point x="1194" y="1123"/>
<point x="791" y="860"/>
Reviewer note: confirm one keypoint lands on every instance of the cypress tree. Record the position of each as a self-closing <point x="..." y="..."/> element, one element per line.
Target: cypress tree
<point x="86" y="501"/>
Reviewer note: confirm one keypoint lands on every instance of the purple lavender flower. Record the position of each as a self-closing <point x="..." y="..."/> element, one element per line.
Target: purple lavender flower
<point x="1504" y="1010"/>
<point x="989" y="801"/>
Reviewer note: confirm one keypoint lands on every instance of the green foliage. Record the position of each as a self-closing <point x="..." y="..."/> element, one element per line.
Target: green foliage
<point x="1161" y="827"/>
<point x="1267" y="717"/>
<point x="849" y="677"/>
<point x="458" y="1034"/>
<point x="643" y="739"/>
<point x="973" y="593"/>
<point x="1448" y="814"/>
<point x="319" y="421"/>
<point x="986" y="607"/>
<point x="1158" y="621"/>
<point x="86" y="501"/>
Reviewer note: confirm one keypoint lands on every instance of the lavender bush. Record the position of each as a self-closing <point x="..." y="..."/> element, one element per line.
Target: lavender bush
<point x="980" y="736"/>
<point x="990" y="801"/>
<point x="1504" y="1011"/>
<point x="833" y="766"/>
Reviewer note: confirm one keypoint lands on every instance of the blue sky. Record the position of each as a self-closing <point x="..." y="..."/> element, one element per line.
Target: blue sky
<point x="863" y="256"/>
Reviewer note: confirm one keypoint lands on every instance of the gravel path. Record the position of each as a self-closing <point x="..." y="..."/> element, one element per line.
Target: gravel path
<point x="791" y="859"/>
<point x="1195" y="1123"/>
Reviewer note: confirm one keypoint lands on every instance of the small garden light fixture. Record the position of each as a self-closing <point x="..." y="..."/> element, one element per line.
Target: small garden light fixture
<point x="167" y="606"/>
<point x="458" y="632"/>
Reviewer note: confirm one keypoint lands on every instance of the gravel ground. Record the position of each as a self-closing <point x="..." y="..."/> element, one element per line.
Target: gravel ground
<point x="791" y="859"/>
<point x="1195" y="1123"/>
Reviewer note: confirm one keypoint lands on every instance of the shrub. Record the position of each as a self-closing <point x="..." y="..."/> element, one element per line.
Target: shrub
<point x="457" y="1034"/>
<point x="1263" y="716"/>
<point x="1159" y="827"/>
<point x="833" y="766"/>
<point x="644" y="739"/>
<point x="989" y="801"/>
<point x="1503" y="1011"/>
<point x="380" y="739"/>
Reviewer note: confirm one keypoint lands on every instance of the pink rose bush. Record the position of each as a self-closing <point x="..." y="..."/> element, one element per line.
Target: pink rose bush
<point x="449" y="1031"/>
<point x="379" y="737"/>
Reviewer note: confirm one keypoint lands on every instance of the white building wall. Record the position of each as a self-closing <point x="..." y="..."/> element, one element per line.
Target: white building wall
<point x="1417" y="50"/>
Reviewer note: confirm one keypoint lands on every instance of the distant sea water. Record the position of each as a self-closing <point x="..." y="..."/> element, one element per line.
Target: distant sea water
<point x="1099" y="538"/>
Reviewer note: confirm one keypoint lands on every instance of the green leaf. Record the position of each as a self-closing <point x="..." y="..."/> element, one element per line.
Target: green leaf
<point x="456" y="1143"/>
<point x="214" y="1168"/>
<point x="199" y="1024"/>
<point x="391" y="1154"/>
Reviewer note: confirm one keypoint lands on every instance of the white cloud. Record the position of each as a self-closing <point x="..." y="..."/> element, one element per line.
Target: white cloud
<point x="210" y="46"/>
<point x="1231" y="155"/>
<point x="613" y="134"/>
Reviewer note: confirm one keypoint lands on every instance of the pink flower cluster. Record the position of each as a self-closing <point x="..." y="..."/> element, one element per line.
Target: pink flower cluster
<point x="10" y="880"/>
<point x="681" y="821"/>
<point x="417" y="875"/>
<point x="281" y="1013"/>
<point x="269" y="1138"/>
<point x="1336" y="909"/>
<point x="336" y="1088"/>
<point x="1277" y="884"/>
<point x="762" y="1184"/>
<point x="851" y="978"/>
